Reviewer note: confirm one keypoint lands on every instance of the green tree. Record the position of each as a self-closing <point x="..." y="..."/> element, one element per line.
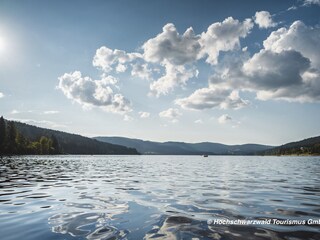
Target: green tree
<point x="22" y="143"/>
<point x="11" y="138"/>
<point x="2" y="135"/>
<point x="56" y="149"/>
<point x="45" y="144"/>
<point x="34" y="148"/>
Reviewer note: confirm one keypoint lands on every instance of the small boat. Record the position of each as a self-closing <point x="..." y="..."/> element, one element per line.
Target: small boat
<point x="205" y="155"/>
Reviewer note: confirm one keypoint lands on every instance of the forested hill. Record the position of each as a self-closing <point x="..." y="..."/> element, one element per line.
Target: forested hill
<point x="66" y="143"/>
<point x="309" y="146"/>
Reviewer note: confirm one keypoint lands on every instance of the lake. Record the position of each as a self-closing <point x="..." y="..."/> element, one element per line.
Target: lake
<point x="159" y="197"/>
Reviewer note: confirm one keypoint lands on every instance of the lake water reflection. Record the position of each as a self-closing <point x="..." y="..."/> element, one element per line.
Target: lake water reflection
<point x="157" y="197"/>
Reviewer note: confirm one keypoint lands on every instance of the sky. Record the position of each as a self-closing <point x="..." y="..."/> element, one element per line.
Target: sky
<point x="194" y="71"/>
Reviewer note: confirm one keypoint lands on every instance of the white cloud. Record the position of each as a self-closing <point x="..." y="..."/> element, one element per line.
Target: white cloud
<point x="51" y="112"/>
<point x="198" y="121"/>
<point x="171" y="114"/>
<point x="264" y="19"/>
<point x="92" y="93"/>
<point x="223" y="36"/>
<point x="141" y="71"/>
<point x="207" y="98"/>
<point x="174" y="76"/>
<point x="127" y="118"/>
<point x="289" y="67"/>
<point x="173" y="51"/>
<point x="272" y="70"/>
<point x="224" y="119"/>
<point x="14" y="111"/>
<point x="144" y="114"/>
<point x="172" y="47"/>
<point x="298" y="37"/>
<point x="108" y="80"/>
<point x="311" y="2"/>
<point x="292" y="8"/>
<point x="106" y="59"/>
<point x="1" y="95"/>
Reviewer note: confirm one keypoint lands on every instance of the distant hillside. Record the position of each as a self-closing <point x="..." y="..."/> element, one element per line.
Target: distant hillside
<point x="309" y="146"/>
<point x="181" y="148"/>
<point x="72" y="143"/>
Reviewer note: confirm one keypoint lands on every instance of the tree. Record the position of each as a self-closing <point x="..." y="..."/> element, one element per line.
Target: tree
<point x="56" y="149"/>
<point x="11" y="147"/>
<point x="44" y="143"/>
<point x="22" y="143"/>
<point x="2" y="135"/>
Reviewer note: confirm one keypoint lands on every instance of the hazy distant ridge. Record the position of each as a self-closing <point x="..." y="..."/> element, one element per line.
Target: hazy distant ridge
<point x="182" y="148"/>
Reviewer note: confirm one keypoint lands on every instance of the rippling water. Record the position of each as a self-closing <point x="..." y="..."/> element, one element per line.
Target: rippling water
<point x="157" y="197"/>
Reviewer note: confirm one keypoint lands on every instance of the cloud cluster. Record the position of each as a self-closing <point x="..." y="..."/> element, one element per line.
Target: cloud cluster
<point x="287" y="67"/>
<point x="92" y="93"/>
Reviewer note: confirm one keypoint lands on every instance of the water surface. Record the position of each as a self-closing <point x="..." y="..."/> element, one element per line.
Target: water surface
<point x="157" y="197"/>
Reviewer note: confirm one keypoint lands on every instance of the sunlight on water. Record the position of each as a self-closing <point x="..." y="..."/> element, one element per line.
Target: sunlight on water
<point x="157" y="197"/>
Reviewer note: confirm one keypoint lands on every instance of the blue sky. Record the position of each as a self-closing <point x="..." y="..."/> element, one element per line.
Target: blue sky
<point x="164" y="70"/>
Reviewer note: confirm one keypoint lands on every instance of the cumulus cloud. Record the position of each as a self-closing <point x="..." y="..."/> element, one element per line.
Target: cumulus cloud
<point x="171" y="114"/>
<point x="144" y="114"/>
<point x="1" y="95"/>
<point x="291" y="64"/>
<point x="172" y="47"/>
<point x="174" y="76"/>
<point x="264" y="19"/>
<point x="272" y="70"/>
<point x="107" y="59"/>
<point x="223" y="36"/>
<point x="92" y="93"/>
<point x="224" y="119"/>
<point x="298" y="37"/>
<point x="207" y="98"/>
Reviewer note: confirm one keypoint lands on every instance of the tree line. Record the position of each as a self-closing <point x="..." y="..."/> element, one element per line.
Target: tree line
<point x="12" y="142"/>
